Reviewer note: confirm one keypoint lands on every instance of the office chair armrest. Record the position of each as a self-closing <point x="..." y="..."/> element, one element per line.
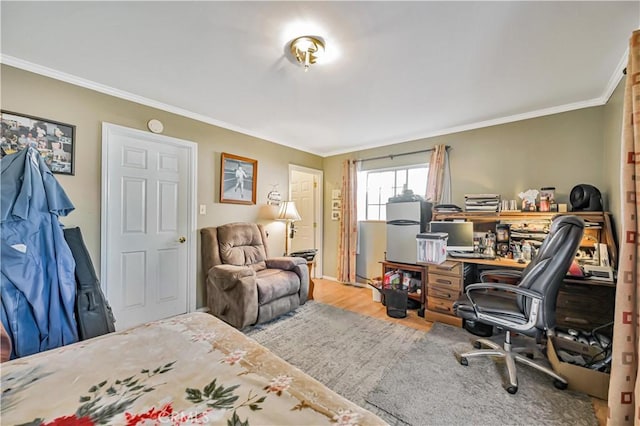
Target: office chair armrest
<point x="509" y="274"/>
<point x="504" y="287"/>
<point x="536" y="305"/>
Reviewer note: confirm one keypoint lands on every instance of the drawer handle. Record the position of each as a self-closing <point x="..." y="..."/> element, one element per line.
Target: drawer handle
<point x="441" y="281"/>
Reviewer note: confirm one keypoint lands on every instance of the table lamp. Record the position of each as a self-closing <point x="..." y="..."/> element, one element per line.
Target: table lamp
<point x="288" y="213"/>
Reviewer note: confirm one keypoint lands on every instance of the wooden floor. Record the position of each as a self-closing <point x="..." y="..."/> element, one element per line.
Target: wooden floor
<point x="360" y="300"/>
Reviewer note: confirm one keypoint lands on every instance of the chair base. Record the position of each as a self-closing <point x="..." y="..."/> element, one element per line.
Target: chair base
<point x="510" y="355"/>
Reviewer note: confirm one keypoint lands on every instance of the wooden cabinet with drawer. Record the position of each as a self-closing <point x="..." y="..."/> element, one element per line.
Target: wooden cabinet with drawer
<point x="444" y="286"/>
<point x="584" y="307"/>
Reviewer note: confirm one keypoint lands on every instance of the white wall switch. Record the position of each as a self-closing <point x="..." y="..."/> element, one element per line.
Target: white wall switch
<point x="203" y="209"/>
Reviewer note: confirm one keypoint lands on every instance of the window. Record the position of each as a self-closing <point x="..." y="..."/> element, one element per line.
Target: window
<point x="375" y="187"/>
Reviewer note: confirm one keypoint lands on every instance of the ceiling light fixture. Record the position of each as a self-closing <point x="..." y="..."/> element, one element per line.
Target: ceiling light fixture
<point x="306" y="50"/>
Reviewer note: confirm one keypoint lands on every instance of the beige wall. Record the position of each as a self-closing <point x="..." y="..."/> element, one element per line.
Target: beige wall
<point x="560" y="150"/>
<point x="32" y="94"/>
<point x="611" y="152"/>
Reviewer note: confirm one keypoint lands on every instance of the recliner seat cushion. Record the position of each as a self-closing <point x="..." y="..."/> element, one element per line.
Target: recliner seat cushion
<point x="276" y="283"/>
<point x="277" y="307"/>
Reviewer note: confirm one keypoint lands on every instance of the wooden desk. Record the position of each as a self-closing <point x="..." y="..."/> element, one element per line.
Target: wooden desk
<point x="498" y="262"/>
<point x="501" y="262"/>
<point x="582" y="303"/>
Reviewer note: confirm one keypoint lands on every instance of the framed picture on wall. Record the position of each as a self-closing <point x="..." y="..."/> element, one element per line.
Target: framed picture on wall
<point x="238" y="179"/>
<point x="55" y="141"/>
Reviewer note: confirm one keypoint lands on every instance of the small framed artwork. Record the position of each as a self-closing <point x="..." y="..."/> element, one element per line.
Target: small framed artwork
<point x="336" y="204"/>
<point x="335" y="215"/>
<point x="336" y="194"/>
<point x="54" y="141"/>
<point x="238" y="178"/>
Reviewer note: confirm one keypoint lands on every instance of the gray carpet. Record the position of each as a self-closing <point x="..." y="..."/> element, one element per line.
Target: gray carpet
<point x="410" y="377"/>
<point x="345" y="351"/>
<point x="429" y="386"/>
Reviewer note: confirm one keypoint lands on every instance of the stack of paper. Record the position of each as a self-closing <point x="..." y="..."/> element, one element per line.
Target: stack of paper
<point x="481" y="202"/>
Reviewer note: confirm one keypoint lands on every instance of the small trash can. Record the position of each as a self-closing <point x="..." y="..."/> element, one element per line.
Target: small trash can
<point x="396" y="302"/>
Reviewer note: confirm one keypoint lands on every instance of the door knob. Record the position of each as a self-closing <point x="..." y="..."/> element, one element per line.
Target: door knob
<point x="181" y="240"/>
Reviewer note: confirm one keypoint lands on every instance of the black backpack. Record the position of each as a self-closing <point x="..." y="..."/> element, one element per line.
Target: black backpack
<point x="93" y="313"/>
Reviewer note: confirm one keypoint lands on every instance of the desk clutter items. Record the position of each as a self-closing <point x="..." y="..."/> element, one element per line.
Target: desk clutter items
<point x="432" y="247"/>
<point x="509" y="206"/>
<point x="529" y="198"/>
<point x="446" y="208"/>
<point x="481" y="202"/>
<point x="548" y="199"/>
<point x="531" y="203"/>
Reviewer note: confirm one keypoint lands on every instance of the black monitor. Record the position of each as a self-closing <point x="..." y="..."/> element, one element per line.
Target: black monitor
<point x="460" y="234"/>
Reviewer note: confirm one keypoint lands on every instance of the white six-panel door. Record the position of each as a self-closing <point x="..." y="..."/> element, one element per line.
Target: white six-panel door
<point x="148" y="225"/>
<point x="305" y="188"/>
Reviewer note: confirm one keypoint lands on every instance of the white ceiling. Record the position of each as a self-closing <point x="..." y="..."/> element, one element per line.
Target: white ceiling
<point x="400" y="70"/>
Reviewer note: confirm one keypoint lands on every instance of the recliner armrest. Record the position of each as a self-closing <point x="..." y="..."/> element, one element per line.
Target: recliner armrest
<point x="228" y="276"/>
<point x="286" y="263"/>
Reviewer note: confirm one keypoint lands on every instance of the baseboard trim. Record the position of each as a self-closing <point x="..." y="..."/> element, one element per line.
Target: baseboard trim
<point x="326" y="277"/>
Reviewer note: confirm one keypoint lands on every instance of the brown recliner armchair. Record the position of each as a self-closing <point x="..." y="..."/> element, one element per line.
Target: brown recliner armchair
<point x="244" y="285"/>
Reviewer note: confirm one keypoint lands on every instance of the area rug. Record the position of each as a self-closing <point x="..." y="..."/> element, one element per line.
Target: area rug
<point x="427" y="386"/>
<point x="345" y="351"/>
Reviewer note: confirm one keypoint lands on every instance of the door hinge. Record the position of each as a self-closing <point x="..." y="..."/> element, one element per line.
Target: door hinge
<point x="315" y="184"/>
<point x="315" y="225"/>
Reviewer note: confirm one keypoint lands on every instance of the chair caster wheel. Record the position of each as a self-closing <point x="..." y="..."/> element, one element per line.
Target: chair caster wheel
<point x="477" y="345"/>
<point x="463" y="361"/>
<point x="512" y="389"/>
<point x="560" y="385"/>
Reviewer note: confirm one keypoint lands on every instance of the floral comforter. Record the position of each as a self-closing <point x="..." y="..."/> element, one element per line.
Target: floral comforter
<point x="190" y="369"/>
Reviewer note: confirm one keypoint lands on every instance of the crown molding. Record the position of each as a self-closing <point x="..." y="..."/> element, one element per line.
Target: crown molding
<point x="615" y="77"/>
<point x="478" y="125"/>
<point x="88" y="84"/>
<point x="107" y="90"/>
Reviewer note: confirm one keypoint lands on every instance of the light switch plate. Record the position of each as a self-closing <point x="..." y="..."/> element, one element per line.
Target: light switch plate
<point x="203" y="209"/>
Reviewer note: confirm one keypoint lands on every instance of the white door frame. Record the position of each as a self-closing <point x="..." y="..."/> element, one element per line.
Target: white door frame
<point x="192" y="147"/>
<point x="319" y="206"/>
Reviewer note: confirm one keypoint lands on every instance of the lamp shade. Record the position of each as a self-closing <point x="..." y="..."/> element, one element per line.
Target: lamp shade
<point x="289" y="212"/>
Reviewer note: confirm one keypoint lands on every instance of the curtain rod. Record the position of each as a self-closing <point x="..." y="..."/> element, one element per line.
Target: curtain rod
<point x="391" y="156"/>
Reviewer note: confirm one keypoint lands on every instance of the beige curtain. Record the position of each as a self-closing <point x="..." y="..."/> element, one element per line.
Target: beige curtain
<point x="439" y="177"/>
<point x="624" y="386"/>
<point x="348" y="242"/>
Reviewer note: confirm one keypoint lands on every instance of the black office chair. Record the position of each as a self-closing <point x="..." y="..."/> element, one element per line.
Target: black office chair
<point x="527" y="308"/>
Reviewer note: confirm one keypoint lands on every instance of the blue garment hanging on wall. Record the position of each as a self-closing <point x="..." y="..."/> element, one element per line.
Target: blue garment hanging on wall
<point x="37" y="281"/>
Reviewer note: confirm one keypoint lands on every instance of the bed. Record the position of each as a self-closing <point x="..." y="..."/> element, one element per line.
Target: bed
<point x="189" y="369"/>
